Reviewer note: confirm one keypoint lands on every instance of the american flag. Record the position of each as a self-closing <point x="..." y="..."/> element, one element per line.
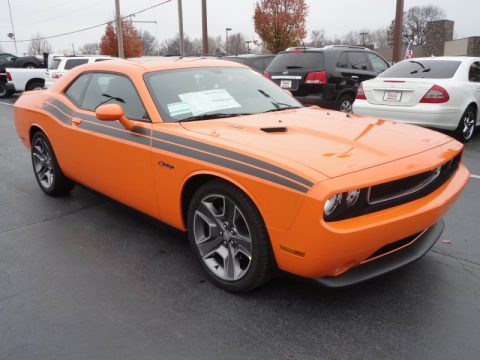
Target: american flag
<point x="409" y="51"/>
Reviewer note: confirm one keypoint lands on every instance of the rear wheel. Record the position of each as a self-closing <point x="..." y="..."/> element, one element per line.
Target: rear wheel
<point x="3" y="91"/>
<point x="345" y="103"/>
<point x="229" y="238"/>
<point x="35" y="85"/>
<point x="45" y="166"/>
<point x="467" y="124"/>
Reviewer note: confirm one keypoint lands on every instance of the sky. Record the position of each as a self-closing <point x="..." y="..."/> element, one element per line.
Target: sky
<point x="51" y="17"/>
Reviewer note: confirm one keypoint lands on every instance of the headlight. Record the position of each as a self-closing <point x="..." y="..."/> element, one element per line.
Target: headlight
<point x="344" y="205"/>
<point x="352" y="198"/>
<point x="332" y="204"/>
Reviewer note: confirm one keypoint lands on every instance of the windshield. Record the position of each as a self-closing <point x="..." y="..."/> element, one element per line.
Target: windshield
<point x="207" y="93"/>
<point x="426" y="69"/>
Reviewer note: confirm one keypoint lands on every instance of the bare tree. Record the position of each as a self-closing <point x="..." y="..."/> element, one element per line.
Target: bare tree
<point x="150" y="43"/>
<point x="379" y="37"/>
<point x="415" y="22"/>
<point x="38" y="45"/>
<point x="236" y="44"/>
<point x="318" y="38"/>
<point x="89" y="49"/>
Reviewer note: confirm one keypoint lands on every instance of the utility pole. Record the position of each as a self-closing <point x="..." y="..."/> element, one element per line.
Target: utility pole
<point x="13" y="31"/>
<point x="397" y="32"/>
<point x="121" y="54"/>
<point x="180" y="27"/>
<point x="204" y="27"/>
<point x="226" y="39"/>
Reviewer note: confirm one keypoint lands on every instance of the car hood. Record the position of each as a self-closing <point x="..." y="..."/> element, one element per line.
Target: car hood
<point x="328" y="142"/>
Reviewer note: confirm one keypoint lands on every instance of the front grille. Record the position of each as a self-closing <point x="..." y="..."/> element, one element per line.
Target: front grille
<point x="392" y="246"/>
<point x="412" y="187"/>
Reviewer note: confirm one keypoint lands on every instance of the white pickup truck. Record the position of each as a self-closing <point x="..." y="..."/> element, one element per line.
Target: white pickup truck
<point x="26" y="79"/>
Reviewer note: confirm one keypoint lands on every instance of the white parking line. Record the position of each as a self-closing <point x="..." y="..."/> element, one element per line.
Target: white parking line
<point x="4" y="103"/>
<point x="475" y="176"/>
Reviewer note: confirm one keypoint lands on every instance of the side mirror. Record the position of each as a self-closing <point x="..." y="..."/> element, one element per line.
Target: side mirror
<point x="11" y="58"/>
<point x="113" y="112"/>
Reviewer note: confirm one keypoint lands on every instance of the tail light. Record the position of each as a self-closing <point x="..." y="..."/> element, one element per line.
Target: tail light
<point x="360" y="93"/>
<point x="267" y="74"/>
<point x="9" y="76"/>
<point x="436" y="95"/>
<point x="56" y="75"/>
<point x="319" y="77"/>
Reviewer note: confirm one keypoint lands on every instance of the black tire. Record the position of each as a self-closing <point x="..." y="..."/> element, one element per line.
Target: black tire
<point x="261" y="264"/>
<point x="57" y="183"/>
<point x="30" y="66"/>
<point x="3" y="91"/>
<point x="35" y="85"/>
<point x="342" y="103"/>
<point x="467" y="125"/>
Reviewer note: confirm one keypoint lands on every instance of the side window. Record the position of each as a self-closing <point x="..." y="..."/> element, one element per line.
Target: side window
<point x="474" y="74"/>
<point x="378" y="64"/>
<point x="71" y="63"/>
<point x="76" y="89"/>
<point x="259" y="64"/>
<point x="343" y="61"/>
<point x="358" y="61"/>
<point x="114" y="89"/>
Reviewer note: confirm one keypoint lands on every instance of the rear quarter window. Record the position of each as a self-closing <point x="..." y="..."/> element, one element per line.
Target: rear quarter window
<point x="297" y="60"/>
<point x="54" y="64"/>
<point x="71" y="63"/>
<point x="424" y="69"/>
<point x="76" y="89"/>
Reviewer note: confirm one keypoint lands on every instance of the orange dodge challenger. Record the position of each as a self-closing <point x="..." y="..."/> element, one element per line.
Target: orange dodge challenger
<point x="258" y="181"/>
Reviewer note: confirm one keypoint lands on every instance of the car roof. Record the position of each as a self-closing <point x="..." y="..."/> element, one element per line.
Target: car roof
<point x="249" y="56"/>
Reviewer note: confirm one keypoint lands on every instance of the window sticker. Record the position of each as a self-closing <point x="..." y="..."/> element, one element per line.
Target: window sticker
<point x="210" y="100"/>
<point x="178" y="108"/>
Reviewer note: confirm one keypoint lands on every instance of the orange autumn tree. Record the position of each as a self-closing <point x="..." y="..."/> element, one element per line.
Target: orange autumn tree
<point x="132" y="42"/>
<point x="280" y="23"/>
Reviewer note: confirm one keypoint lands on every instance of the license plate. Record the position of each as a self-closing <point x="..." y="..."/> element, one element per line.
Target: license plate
<point x="286" y="84"/>
<point x="393" y="96"/>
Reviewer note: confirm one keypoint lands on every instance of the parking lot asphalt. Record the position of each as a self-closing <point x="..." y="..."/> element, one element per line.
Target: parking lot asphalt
<point x="84" y="277"/>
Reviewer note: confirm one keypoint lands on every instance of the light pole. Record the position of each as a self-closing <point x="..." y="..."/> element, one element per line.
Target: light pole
<point x="204" y="27"/>
<point x="180" y="27"/>
<point x="119" y="30"/>
<point x="226" y="39"/>
<point x="13" y="30"/>
<point x="363" y="35"/>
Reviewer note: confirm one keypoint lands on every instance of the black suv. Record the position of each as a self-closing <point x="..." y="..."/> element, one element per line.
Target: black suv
<point x="329" y="76"/>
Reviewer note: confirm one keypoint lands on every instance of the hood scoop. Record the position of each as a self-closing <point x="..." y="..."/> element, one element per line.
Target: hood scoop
<point x="275" y="130"/>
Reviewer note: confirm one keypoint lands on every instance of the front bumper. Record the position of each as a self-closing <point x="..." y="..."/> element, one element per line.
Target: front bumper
<point x="387" y="263"/>
<point x="314" y="248"/>
<point x="429" y="115"/>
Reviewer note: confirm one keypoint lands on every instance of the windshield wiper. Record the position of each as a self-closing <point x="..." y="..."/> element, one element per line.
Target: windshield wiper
<point x="212" y="116"/>
<point x="278" y="105"/>
<point x="423" y="71"/>
<point x="110" y="98"/>
<point x="285" y="107"/>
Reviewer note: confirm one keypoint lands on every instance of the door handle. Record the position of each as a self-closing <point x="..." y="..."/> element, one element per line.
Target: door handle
<point x="355" y="77"/>
<point x="76" y="121"/>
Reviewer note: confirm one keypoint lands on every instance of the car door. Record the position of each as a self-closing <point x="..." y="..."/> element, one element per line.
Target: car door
<point x="474" y="79"/>
<point x="107" y="157"/>
<point x="7" y="60"/>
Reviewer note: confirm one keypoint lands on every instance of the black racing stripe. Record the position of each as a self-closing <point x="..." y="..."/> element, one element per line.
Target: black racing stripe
<point x="118" y="133"/>
<point x="231" y="154"/>
<point x="230" y="164"/>
<point x="57" y="113"/>
<point x="66" y="109"/>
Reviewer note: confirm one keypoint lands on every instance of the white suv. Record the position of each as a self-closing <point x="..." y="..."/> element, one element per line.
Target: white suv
<point x="60" y="65"/>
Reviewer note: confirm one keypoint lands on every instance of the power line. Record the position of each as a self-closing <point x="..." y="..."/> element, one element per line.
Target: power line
<point x="90" y="27"/>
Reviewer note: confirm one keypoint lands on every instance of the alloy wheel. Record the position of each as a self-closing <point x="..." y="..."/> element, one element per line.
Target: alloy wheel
<point x="222" y="237"/>
<point x="43" y="163"/>
<point x="468" y="125"/>
<point x="346" y="106"/>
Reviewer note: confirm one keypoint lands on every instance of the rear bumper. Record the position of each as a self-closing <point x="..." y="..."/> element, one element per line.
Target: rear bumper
<point x="10" y="87"/>
<point x="388" y="263"/>
<point x="429" y="115"/>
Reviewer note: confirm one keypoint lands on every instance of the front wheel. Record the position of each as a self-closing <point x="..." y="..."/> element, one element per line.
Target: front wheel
<point x="228" y="237"/>
<point x="45" y="166"/>
<point x="466" y="126"/>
